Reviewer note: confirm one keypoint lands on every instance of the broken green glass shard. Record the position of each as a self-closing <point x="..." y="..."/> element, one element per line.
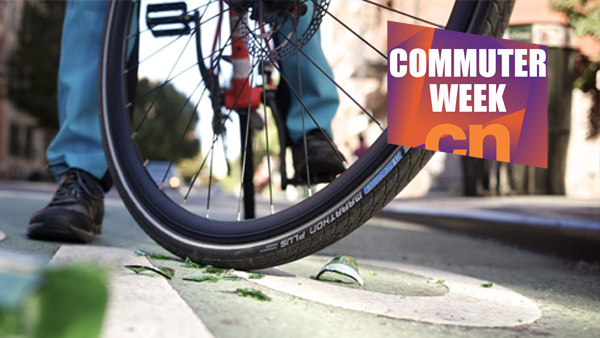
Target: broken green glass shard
<point x="256" y="276"/>
<point x="189" y="264"/>
<point x="343" y="265"/>
<point x="487" y="285"/>
<point x="168" y="273"/>
<point x="254" y="294"/>
<point x="231" y="278"/>
<point x="218" y="271"/>
<point x="202" y="278"/>
<point x="153" y="255"/>
<point x="435" y="281"/>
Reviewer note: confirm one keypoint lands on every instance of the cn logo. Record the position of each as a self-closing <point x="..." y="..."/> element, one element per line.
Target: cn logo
<point x="476" y="135"/>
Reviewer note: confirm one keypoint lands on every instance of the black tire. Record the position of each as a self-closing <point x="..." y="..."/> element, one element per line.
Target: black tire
<point x="329" y="215"/>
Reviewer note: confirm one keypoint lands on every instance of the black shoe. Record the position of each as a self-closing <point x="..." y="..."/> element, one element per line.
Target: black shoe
<point x="324" y="162"/>
<point x="75" y="212"/>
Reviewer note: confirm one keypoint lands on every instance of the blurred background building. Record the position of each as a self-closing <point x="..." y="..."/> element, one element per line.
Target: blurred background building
<point x="574" y="141"/>
<point x="23" y="139"/>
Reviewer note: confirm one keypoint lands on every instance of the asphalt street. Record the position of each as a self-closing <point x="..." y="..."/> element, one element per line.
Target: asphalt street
<point x="419" y="281"/>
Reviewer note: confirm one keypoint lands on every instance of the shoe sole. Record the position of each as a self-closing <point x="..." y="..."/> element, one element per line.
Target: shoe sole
<point x="57" y="229"/>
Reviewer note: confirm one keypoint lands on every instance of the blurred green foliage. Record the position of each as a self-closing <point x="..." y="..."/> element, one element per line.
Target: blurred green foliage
<point x="584" y="15"/>
<point x="168" y="130"/>
<point x="67" y="302"/>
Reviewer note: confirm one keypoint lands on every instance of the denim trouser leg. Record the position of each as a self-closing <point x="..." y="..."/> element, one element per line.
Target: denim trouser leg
<point x="319" y="94"/>
<point x="78" y="144"/>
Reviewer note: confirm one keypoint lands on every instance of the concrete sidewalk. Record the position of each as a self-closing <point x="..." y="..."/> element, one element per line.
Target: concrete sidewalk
<point x="551" y="224"/>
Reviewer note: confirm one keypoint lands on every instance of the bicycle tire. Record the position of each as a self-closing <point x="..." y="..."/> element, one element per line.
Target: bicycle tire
<point x="296" y="232"/>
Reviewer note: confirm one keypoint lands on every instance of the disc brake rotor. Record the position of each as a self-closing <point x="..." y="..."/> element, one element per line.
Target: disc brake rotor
<point x="284" y="49"/>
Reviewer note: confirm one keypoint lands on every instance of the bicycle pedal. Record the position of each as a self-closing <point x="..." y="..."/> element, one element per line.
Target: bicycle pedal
<point x="162" y="25"/>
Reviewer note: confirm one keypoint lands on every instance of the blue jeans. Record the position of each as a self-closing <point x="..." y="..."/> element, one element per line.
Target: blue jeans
<point x="78" y="143"/>
<point x="318" y="93"/>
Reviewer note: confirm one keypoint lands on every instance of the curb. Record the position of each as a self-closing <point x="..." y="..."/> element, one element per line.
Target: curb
<point x="571" y="238"/>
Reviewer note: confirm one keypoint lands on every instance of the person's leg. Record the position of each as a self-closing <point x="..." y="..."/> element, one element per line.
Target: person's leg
<point x="76" y="155"/>
<point x="319" y="94"/>
<point x="78" y="144"/>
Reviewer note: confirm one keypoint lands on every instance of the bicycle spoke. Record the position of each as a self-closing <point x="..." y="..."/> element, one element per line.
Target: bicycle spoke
<point x="187" y="194"/>
<point x="225" y="119"/>
<point x="303" y="123"/>
<point x="240" y="93"/>
<point x="167" y="81"/>
<point x="337" y="85"/>
<point x="214" y="16"/>
<point x="158" y="94"/>
<point x="213" y="62"/>
<point x="183" y="136"/>
<point x="176" y="39"/>
<point x="174" y="19"/>
<point x="219" y="25"/>
<point x="169" y="75"/>
<point x="353" y="32"/>
<point x="167" y="45"/>
<point x="312" y="117"/>
<point x="264" y="78"/>
<point x="327" y="138"/>
<point x="159" y="88"/>
<point x="212" y="157"/>
<point x="244" y="149"/>
<point x="215" y="138"/>
<point x="172" y="125"/>
<point x="403" y="13"/>
<point x="154" y="53"/>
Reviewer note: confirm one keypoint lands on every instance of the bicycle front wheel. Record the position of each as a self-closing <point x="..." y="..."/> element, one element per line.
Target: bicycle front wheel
<point x="199" y="221"/>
